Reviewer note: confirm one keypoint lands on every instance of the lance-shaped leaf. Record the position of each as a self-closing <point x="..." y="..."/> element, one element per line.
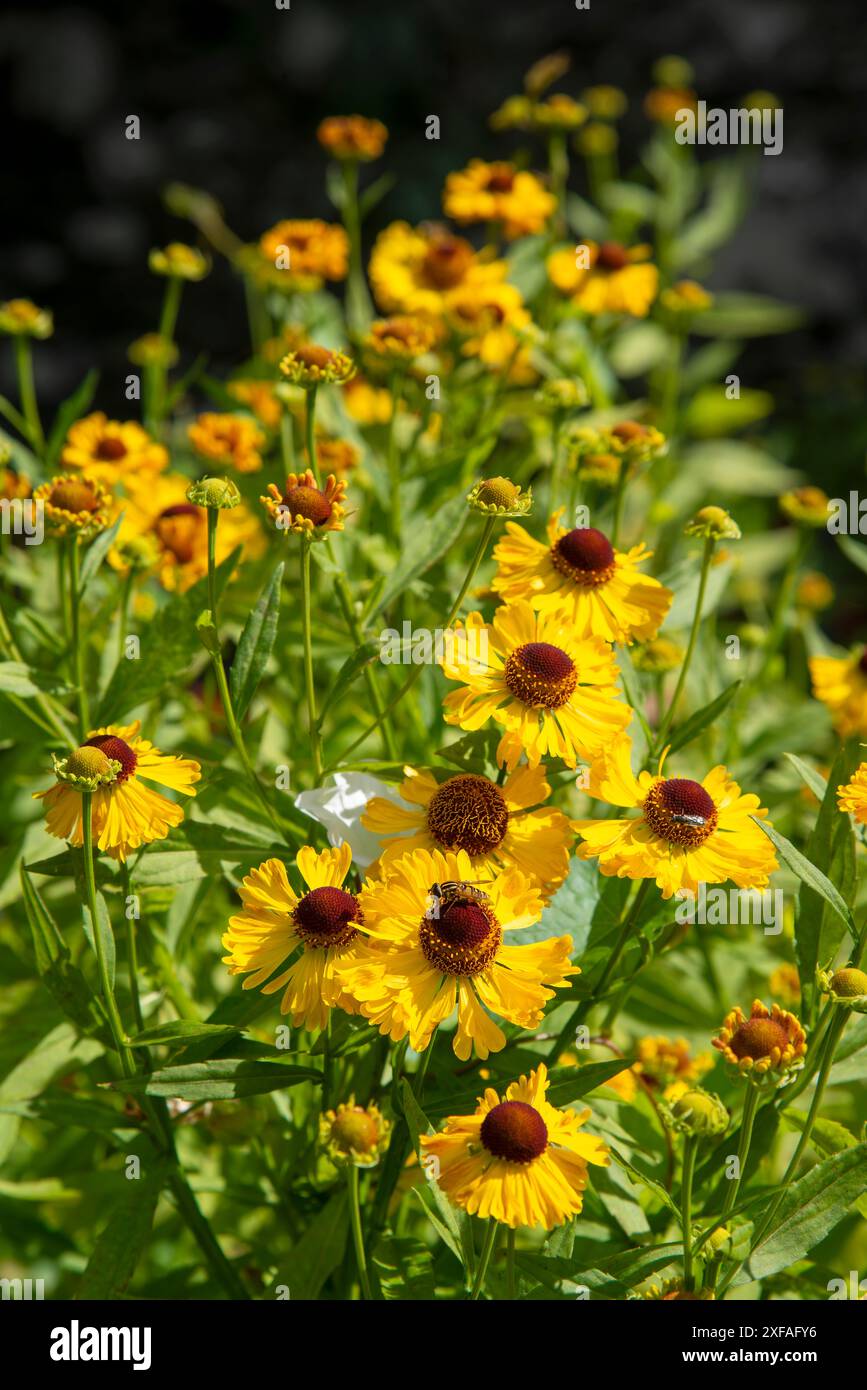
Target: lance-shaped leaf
<point x="256" y="645"/>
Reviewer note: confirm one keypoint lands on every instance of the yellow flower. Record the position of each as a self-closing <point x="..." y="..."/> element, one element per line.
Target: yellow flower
<point x="807" y="506"/>
<point x="74" y="505"/>
<point x="12" y="483"/>
<point x="275" y="921"/>
<point x="580" y="574"/>
<point x="663" y="104"/>
<point x="616" y="280"/>
<point x="668" y="1066"/>
<point x="158" y="509"/>
<point x="312" y="365"/>
<point x="306" y="508"/>
<point x="520" y="1161"/>
<point x="306" y="249"/>
<point x="852" y="797"/>
<point x="436" y="940"/>
<point x="336" y="456"/>
<point x="179" y="262"/>
<point x="153" y="350"/>
<point x="498" y="827"/>
<point x="260" y="397"/>
<point x="352" y="137"/>
<point x="685" y="297"/>
<point x="365" y="403"/>
<point x="785" y="983"/>
<point x="605" y="103"/>
<point x="398" y="339"/>
<point x="111" y="450"/>
<point x="228" y="439"/>
<point x="21" y="318"/>
<point x="498" y="193"/>
<point x="354" y="1134"/>
<point x="815" y="592"/>
<point x="419" y="270"/>
<point x="768" y="1041"/>
<point x="490" y="318"/>
<point x="841" y="684"/>
<point x="686" y="832"/>
<point x="558" y="112"/>
<point x="125" y="813"/>
<point x="555" y="694"/>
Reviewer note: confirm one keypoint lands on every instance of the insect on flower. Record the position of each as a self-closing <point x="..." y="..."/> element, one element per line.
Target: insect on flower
<point x="456" y="889"/>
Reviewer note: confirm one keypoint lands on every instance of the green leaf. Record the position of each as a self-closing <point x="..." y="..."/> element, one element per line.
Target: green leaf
<point x="811" y="778"/>
<point x="374" y="193"/>
<point x="360" y="658"/>
<point x="320" y="1250"/>
<point x="183" y="1030"/>
<point x="698" y="722"/>
<point x="71" y="410"/>
<point x="39" y="1190"/>
<point x="810" y="1210"/>
<point x="736" y="315"/>
<point x="807" y="872"/>
<point x="457" y="1233"/>
<point x="440" y="533"/>
<point x="403" y="1269"/>
<point x="106" y="935"/>
<point x="123" y="1240"/>
<point x="571" y="1083"/>
<point x="225" y="1079"/>
<point x="18" y="679"/>
<point x="256" y="645"/>
<point x="650" y="1183"/>
<point x="96" y="553"/>
<point x="168" y="645"/>
<point x="63" y="980"/>
<point x="854" y="551"/>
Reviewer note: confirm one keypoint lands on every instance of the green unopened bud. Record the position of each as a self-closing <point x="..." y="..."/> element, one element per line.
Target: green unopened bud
<point x="847" y="987"/>
<point x="699" y="1112"/>
<point x="86" y="769"/>
<point x="220" y="494"/>
<point x="714" y="523"/>
<point x="500" y="497"/>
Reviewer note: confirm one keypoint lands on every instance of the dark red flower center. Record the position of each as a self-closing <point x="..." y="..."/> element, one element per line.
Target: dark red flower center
<point x="612" y="256"/>
<point x="680" y="811"/>
<point x="862" y="664"/>
<point x="119" y="750"/>
<point x="468" y="812"/>
<point x="514" y="1131"/>
<point x="309" y="502"/>
<point x="585" y="554"/>
<point x="464" y="924"/>
<point x="540" y="675"/>
<point x="501" y="181"/>
<point x="327" y="917"/>
<point x="110" y="449"/>
<point x="459" y="934"/>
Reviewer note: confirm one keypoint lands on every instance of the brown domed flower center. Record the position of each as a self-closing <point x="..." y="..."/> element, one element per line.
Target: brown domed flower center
<point x="629" y="430"/>
<point x="468" y="812"/>
<point x="585" y="555"/>
<point x="758" y="1037"/>
<point x="459" y="935"/>
<point x="180" y="528"/>
<point x="110" y="449"/>
<point x="117" y="749"/>
<point x="313" y="356"/>
<point x="446" y="261"/>
<point x="501" y="180"/>
<point x="355" y="1129"/>
<point x="309" y="502"/>
<point x="514" y="1131"/>
<point x="612" y="256"/>
<point x="680" y="811"/>
<point x="326" y="917"/>
<point x="74" y="495"/>
<point x="541" y="675"/>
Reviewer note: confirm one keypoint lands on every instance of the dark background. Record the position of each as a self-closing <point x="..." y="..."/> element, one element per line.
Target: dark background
<point x="230" y="92"/>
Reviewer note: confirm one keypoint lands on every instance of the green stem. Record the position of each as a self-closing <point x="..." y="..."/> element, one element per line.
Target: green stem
<point x="491" y="1235"/>
<point x="747" y="1121"/>
<point x="690" y="1147"/>
<point x="77" y="649"/>
<point x="310" y="432"/>
<point x="417" y="670"/>
<point x="784" y="599"/>
<point x="393" y="457"/>
<point x="586" y="1005"/>
<point x="693" y="637"/>
<point x="421" y="1073"/>
<point x="315" y="745"/>
<point x="232" y="724"/>
<point x="131" y="951"/>
<point x="111" y="1009"/>
<point x="344" y="598"/>
<point x="511" y="1281"/>
<point x="357" y="1233"/>
<point x="27" y="393"/>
